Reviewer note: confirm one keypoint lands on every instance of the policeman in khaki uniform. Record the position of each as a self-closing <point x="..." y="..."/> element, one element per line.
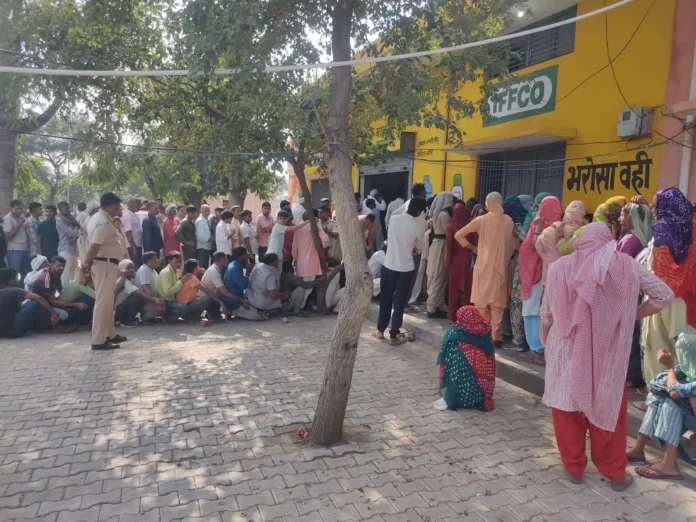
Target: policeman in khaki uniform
<point x="103" y="256"/>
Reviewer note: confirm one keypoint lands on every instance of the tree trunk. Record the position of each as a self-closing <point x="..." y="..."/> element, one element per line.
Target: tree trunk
<point x="327" y="427"/>
<point x="8" y="166"/>
<point x="298" y="167"/>
<point x="236" y="194"/>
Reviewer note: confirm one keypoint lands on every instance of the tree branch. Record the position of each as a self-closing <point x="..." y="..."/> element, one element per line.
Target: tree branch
<point x="33" y="124"/>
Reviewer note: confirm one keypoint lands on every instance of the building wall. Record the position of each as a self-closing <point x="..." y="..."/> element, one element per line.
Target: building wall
<point x="590" y="113"/>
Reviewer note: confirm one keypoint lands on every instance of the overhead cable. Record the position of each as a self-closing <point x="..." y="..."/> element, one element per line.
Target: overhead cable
<point x="302" y="66"/>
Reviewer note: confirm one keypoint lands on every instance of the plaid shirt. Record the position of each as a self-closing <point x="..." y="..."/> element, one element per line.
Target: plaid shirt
<point x="30" y="227"/>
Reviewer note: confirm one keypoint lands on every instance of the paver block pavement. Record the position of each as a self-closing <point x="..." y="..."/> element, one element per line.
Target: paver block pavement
<point x="185" y="423"/>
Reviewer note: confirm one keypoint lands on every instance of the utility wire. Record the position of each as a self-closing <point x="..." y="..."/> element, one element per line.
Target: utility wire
<point x="296" y="67"/>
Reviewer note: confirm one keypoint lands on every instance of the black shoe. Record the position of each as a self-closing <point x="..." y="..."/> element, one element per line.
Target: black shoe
<point x="116" y="339"/>
<point x="437" y="314"/>
<point x="108" y="345"/>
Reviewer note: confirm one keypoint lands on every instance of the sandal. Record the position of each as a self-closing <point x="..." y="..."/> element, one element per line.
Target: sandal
<point x="637" y="461"/>
<point x="649" y="472"/>
<point x="378" y="335"/>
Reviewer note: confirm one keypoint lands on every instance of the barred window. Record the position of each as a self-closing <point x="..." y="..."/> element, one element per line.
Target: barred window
<point x="546" y="45"/>
<point x="523" y="171"/>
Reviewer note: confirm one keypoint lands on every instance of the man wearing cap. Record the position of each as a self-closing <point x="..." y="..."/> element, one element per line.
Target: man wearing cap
<point x="104" y="254"/>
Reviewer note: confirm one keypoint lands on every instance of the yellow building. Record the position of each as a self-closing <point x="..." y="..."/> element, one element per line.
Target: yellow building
<point x="561" y="124"/>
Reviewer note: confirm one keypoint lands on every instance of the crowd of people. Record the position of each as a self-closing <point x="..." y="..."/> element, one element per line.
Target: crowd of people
<point x="606" y="302"/>
<point x="145" y="262"/>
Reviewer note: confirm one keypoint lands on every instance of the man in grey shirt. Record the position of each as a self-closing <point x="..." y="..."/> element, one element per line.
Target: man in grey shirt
<point x="68" y="234"/>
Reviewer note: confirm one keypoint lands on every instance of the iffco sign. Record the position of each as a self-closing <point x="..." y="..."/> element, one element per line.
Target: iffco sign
<point x="523" y="96"/>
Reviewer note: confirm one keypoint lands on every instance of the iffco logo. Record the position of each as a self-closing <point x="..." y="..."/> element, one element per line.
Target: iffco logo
<point x="523" y="96"/>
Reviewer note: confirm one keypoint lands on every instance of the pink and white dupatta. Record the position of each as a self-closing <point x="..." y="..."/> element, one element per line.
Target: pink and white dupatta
<point x="593" y="285"/>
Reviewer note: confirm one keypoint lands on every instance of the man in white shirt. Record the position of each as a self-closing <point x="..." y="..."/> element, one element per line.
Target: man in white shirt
<point x="417" y="192"/>
<point x="204" y="238"/>
<point x="397" y="272"/>
<point x="146" y="280"/>
<point x="224" y="233"/>
<point x="249" y="236"/>
<point x="133" y="229"/>
<point x="375" y="264"/>
<point x="298" y="211"/>
<point x="397" y="203"/>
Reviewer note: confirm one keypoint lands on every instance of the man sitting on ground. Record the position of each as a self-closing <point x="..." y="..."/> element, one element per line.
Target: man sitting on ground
<point x="192" y="298"/>
<point x="152" y="311"/>
<point x="129" y="298"/>
<point x="262" y="291"/>
<point x="294" y="288"/>
<point x="236" y="284"/>
<point x="16" y="320"/>
<point x="212" y="279"/>
<point x="48" y="285"/>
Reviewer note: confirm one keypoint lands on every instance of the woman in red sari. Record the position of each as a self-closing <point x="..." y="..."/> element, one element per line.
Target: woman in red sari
<point x="458" y="261"/>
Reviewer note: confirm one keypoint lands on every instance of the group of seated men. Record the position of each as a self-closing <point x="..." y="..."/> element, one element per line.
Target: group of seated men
<point x="231" y="286"/>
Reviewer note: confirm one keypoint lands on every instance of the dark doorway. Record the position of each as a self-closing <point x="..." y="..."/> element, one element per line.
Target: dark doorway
<point x="391" y="185"/>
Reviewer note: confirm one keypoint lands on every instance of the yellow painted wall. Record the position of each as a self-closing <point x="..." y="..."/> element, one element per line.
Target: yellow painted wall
<point x="591" y="111"/>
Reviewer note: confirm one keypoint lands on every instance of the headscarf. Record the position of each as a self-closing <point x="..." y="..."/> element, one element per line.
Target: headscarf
<point x="640" y="218"/>
<point x="37" y="263"/>
<point x="442" y="201"/>
<point x="593" y="284"/>
<point x="92" y="207"/>
<point x="673" y="227"/>
<point x="574" y="218"/>
<point x="168" y="208"/>
<point x="471" y="202"/>
<point x="532" y="212"/>
<point x="530" y="263"/>
<point x="686" y="355"/>
<point x="613" y="207"/>
<point x="513" y="208"/>
<point x="527" y="201"/>
<point x="478" y="210"/>
<point x="124" y="264"/>
<point x="458" y="384"/>
<point x="460" y="217"/>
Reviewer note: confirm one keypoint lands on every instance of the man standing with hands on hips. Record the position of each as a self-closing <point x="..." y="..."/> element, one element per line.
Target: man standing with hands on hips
<point x="102" y="259"/>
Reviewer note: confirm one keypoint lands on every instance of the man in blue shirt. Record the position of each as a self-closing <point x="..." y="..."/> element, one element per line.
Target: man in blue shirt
<point x="152" y="234"/>
<point x="236" y="284"/>
<point x="235" y="281"/>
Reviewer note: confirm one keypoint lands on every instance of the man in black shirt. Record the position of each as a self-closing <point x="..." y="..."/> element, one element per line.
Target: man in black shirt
<point x="16" y="320"/>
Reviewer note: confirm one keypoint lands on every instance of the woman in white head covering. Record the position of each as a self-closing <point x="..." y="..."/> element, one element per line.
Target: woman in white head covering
<point x="441" y="215"/>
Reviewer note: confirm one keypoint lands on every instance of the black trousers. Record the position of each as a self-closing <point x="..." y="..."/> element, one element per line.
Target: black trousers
<point x="393" y="293"/>
<point x="188" y="252"/>
<point x="203" y="256"/>
<point x="136" y="256"/>
<point x="262" y="252"/>
<point x="128" y="309"/>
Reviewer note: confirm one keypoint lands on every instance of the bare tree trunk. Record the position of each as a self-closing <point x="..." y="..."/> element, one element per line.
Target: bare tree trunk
<point x="298" y="167"/>
<point x="327" y="427"/>
<point x="8" y="166"/>
<point x="236" y="194"/>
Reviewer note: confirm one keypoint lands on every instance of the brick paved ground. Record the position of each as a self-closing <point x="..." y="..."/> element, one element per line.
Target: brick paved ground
<point x="186" y="423"/>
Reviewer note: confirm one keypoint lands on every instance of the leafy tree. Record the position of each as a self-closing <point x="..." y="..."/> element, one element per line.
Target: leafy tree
<point x="227" y="34"/>
<point x="91" y="34"/>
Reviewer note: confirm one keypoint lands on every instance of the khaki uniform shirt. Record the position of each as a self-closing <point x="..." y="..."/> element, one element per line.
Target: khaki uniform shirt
<point x="101" y="230"/>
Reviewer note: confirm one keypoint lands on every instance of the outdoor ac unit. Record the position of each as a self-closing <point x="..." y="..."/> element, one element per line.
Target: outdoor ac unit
<point x="634" y="122"/>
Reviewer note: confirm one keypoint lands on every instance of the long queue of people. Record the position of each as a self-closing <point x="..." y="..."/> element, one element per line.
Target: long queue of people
<point x="606" y="302"/>
<point x="149" y="263"/>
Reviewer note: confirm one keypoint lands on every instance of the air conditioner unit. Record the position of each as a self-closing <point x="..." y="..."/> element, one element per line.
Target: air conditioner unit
<point x="634" y="122"/>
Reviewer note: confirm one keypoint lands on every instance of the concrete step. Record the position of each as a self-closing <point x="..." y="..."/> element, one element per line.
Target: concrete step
<point x="510" y="367"/>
